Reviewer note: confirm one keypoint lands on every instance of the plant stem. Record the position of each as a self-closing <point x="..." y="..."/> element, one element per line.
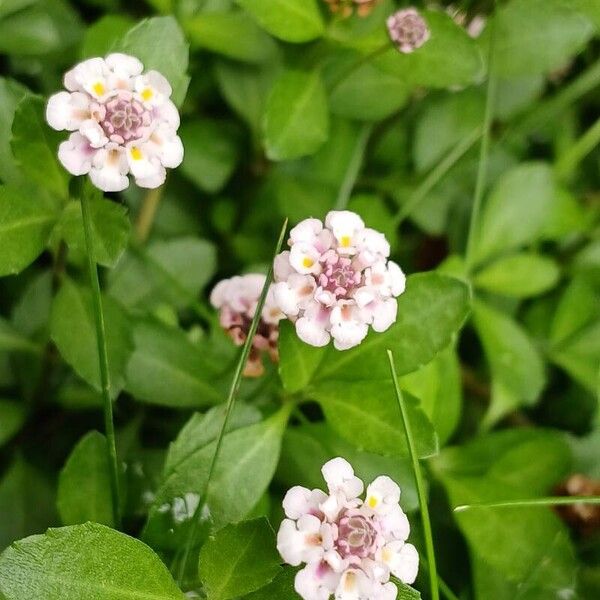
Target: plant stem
<point x="231" y="397"/>
<point x="568" y="162"/>
<point x="427" y="533"/>
<point x="550" y="501"/>
<point x="102" y="359"/>
<point x="353" y="168"/>
<point x="145" y="219"/>
<point x="546" y="111"/>
<point x="363" y="60"/>
<point x="435" y="175"/>
<point x="484" y="152"/>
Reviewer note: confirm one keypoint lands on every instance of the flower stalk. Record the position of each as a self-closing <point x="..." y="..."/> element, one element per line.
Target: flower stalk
<point x="109" y="426"/>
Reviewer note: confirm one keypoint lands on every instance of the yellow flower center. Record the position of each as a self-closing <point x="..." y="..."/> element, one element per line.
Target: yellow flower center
<point x="147" y="94"/>
<point x="307" y="262"/>
<point x="136" y="153"/>
<point x="99" y="88"/>
<point x="345" y="241"/>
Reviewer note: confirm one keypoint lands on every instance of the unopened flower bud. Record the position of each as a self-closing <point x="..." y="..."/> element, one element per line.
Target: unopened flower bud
<point x="408" y="30"/>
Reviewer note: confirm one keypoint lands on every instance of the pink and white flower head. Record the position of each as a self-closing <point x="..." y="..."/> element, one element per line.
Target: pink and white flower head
<point x="408" y="30"/>
<point x="336" y="280"/>
<point x="237" y="299"/>
<point x="122" y="122"/>
<point x="350" y="546"/>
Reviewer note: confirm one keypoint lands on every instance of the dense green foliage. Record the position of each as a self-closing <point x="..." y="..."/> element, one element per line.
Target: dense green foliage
<point x="288" y="112"/>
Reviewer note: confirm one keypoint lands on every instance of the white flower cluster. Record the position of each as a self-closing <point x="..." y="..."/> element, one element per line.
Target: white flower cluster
<point x="336" y="280"/>
<point x="122" y="122"/>
<point x="350" y="546"/>
<point x="236" y="299"/>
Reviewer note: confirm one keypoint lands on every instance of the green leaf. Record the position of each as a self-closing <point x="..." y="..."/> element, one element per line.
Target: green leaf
<point x="519" y="275"/>
<point x="297" y="361"/>
<point x="552" y="577"/>
<point x="366" y="415"/>
<point x="89" y="561"/>
<point x="232" y="34"/>
<point x="290" y="20"/>
<point x="438" y="386"/>
<point x="202" y="429"/>
<point x="47" y="26"/>
<point x="172" y="271"/>
<point x="35" y="147"/>
<point x="29" y="499"/>
<point x="517" y="368"/>
<point x="160" y="44"/>
<point x="104" y="34"/>
<point x="430" y="313"/>
<point x="577" y="307"/>
<point x="73" y="331"/>
<point x="281" y="588"/>
<point x="579" y="355"/>
<point x="366" y="92"/>
<point x="11" y="93"/>
<point x="167" y="369"/>
<point x="238" y="560"/>
<point x="518" y="464"/>
<point x="12" y="340"/>
<point x="307" y="448"/>
<point x="110" y="229"/>
<point x="444" y="123"/>
<point x="245" y="87"/>
<point x="246" y="464"/>
<point x="211" y="153"/>
<point x="515" y="211"/>
<point x="84" y="483"/>
<point x="296" y="121"/>
<point x="26" y="220"/>
<point x="449" y="58"/>
<point x="12" y="417"/>
<point x="537" y="36"/>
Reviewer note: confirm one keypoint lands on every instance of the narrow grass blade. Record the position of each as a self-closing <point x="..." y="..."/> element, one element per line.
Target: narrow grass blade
<point x="433" y="578"/>
<point x="233" y="390"/>
<point x="549" y="501"/>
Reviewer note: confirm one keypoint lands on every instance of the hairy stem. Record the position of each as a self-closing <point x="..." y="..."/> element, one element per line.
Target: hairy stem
<point x="427" y="533"/>
<point x="231" y="397"/>
<point x="109" y="426"/>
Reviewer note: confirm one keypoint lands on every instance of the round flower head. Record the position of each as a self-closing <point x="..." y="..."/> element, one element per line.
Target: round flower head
<point x="237" y="299"/>
<point x="408" y="30"/>
<point x="345" y="8"/>
<point x="336" y="280"/>
<point x="122" y="121"/>
<point x="350" y="546"/>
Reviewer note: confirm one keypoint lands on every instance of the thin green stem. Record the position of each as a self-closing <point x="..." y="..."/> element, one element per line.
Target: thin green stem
<point x="145" y="219"/>
<point x="427" y="533"/>
<point x="547" y="111"/>
<point x="569" y="161"/>
<point x="231" y="397"/>
<point x="549" y="501"/>
<point x="484" y="151"/>
<point x="435" y="175"/>
<point x="363" y="60"/>
<point x="109" y="426"/>
<point x="353" y="168"/>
